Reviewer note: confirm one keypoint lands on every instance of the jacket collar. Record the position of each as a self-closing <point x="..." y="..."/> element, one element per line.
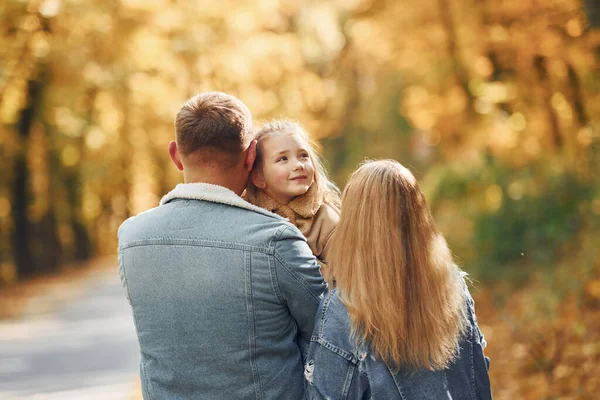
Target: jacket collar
<point x="306" y="205"/>
<point x="212" y="193"/>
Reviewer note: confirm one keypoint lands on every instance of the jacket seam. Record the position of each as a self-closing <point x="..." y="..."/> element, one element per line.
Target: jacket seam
<point x="274" y="281"/>
<point x="336" y="350"/>
<point x="397" y="382"/>
<point x="348" y="381"/>
<point x="194" y="242"/>
<point x="324" y="312"/>
<point x="251" y="326"/>
<point x="276" y="236"/>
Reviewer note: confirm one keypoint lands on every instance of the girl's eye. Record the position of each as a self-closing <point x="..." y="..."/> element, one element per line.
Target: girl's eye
<point x="282" y="158"/>
<point x="304" y="155"/>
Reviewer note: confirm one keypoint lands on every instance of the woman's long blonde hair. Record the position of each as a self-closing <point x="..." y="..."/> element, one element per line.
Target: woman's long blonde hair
<point x="325" y="188"/>
<point x="394" y="271"/>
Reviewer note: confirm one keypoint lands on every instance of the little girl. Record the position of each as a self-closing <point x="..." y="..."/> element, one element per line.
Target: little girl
<point x="289" y="179"/>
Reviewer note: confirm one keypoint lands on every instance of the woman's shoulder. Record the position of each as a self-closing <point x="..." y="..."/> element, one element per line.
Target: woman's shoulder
<point x="332" y="327"/>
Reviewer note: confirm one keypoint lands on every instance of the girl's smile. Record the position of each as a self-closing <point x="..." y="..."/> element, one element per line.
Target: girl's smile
<point x="300" y="178"/>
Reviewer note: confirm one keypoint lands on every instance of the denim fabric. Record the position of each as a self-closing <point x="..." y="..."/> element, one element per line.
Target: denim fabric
<point x="339" y="368"/>
<point x="223" y="297"/>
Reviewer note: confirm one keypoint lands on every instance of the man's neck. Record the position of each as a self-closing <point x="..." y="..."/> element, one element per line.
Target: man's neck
<point x="214" y="178"/>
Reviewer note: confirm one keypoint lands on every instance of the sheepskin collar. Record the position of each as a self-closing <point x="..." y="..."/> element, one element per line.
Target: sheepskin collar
<point x="305" y="205"/>
<point x="209" y="192"/>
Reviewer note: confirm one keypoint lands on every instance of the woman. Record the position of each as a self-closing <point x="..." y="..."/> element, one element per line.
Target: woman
<point x="400" y="323"/>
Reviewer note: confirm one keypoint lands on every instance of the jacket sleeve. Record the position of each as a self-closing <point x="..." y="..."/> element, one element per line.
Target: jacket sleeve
<point x="299" y="281"/>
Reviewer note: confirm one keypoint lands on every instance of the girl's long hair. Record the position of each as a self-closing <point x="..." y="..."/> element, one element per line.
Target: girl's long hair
<point x="326" y="189"/>
<point x="394" y="271"/>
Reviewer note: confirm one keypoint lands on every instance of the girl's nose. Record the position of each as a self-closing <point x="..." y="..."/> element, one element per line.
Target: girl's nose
<point x="298" y="166"/>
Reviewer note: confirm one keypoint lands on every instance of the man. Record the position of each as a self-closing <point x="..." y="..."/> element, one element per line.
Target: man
<point x="223" y="293"/>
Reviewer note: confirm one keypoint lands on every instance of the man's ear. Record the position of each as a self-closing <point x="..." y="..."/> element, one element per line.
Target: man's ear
<point x="258" y="179"/>
<point x="251" y="156"/>
<point x="175" y="155"/>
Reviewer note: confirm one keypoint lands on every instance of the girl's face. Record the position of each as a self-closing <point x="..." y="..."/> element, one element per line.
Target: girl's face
<point x="287" y="169"/>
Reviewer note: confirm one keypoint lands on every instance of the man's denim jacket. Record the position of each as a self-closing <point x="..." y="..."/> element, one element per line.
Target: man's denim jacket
<point x="339" y="368"/>
<point x="223" y="294"/>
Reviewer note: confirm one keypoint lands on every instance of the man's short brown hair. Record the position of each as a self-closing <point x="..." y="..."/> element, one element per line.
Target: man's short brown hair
<point x="215" y="125"/>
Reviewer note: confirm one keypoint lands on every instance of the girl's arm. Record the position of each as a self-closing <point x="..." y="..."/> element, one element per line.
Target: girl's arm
<point x="328" y="219"/>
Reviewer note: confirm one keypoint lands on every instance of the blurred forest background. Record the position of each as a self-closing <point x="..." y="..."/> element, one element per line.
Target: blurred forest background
<point x="494" y="105"/>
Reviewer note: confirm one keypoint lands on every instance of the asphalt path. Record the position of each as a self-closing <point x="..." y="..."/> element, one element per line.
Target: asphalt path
<point x="77" y="343"/>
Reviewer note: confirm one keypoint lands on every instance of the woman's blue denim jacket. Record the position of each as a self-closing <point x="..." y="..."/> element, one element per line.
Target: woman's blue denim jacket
<point x="339" y="368"/>
<point x="223" y="294"/>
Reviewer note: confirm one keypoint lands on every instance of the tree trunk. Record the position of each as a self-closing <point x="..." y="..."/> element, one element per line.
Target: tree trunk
<point x="492" y="55"/>
<point x="539" y="64"/>
<point x="592" y="11"/>
<point x="22" y="231"/>
<point x="83" y="243"/>
<point x="577" y="95"/>
<point x="45" y="244"/>
<point x="458" y="69"/>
